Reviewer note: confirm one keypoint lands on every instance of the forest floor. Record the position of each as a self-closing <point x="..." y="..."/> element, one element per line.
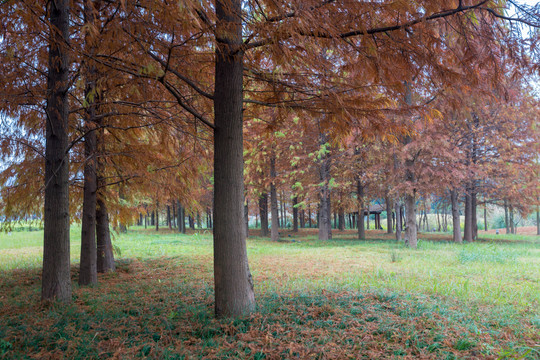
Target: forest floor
<point x="344" y="298"/>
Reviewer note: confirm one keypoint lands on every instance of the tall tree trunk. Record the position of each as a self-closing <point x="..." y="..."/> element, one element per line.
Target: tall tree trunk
<point x="232" y="278"/>
<point x="263" y="210"/>
<point x="105" y="255"/>
<point x="283" y="217"/>
<point x="438" y="219"/>
<point x="173" y="216"/>
<point x="361" y="210"/>
<point x="302" y="218"/>
<point x="368" y="216"/>
<point x="295" y="213"/>
<point x="309" y="215"/>
<point x="191" y="220"/>
<point x="468" y="231"/>
<point x="153" y="218"/>
<point x="274" y="231"/>
<point x="456" y="227"/>
<point x="88" y="267"/>
<point x="56" y="281"/>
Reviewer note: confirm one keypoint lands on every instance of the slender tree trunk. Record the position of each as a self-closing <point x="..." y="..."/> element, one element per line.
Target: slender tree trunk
<point x="388" y="202"/>
<point x="398" y="219"/>
<point x="512" y="224"/>
<point x="283" y="214"/>
<point x="169" y="222"/>
<point x="157" y="216"/>
<point x="485" y="218"/>
<point x="274" y="230"/>
<point x="537" y="220"/>
<point x="191" y="220"/>
<point x="506" y="222"/>
<point x="232" y="278"/>
<point x="456" y="227"/>
<point x="309" y="216"/>
<point x="56" y="280"/>
<point x="246" y="216"/>
<point x="468" y="231"/>
<point x="361" y="210"/>
<point x="88" y="267"/>
<point x="173" y="218"/>
<point x="474" y="215"/>
<point x="302" y="218"/>
<point x="263" y="209"/>
<point x="105" y="255"/>
<point x="325" y="212"/>
<point x="438" y="219"/>
<point x="295" y="214"/>
<point x="180" y="219"/>
<point x="368" y="216"/>
<point x="153" y="218"/>
<point x="426" y="220"/>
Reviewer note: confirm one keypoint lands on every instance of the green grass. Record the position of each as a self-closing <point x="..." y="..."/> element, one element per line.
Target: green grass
<point x="344" y="297"/>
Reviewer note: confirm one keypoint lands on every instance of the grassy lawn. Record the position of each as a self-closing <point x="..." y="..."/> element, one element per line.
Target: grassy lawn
<point x="337" y="299"/>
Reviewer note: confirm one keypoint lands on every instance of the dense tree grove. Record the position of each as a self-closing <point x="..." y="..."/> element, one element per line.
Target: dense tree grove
<point x="288" y="114"/>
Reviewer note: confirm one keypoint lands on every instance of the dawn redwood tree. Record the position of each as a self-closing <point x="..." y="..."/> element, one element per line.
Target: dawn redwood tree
<point x="232" y="277"/>
<point x="56" y="283"/>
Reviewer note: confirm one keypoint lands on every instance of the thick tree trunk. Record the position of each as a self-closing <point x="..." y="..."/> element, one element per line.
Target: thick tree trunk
<point x="88" y="267"/>
<point x="105" y="255"/>
<point x="302" y="219"/>
<point x="232" y="278"/>
<point x="263" y="210"/>
<point x="341" y="218"/>
<point x="56" y="281"/>
<point x="410" y="214"/>
<point x="468" y="231"/>
<point x="153" y="218"/>
<point x="295" y="214"/>
<point x="456" y="228"/>
<point x="360" y="196"/>
<point x="274" y="231"/>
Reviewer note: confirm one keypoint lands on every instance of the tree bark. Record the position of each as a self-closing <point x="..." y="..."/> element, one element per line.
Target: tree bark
<point x="105" y="255"/>
<point x="179" y="220"/>
<point x="474" y="215"/>
<point x="485" y="218"/>
<point x="388" y="202"/>
<point x="246" y="216"/>
<point x="309" y="216"/>
<point x="325" y="212"/>
<point x="512" y="224"/>
<point x="341" y="218"/>
<point x="456" y="227"/>
<point x="360" y="196"/>
<point x="157" y="216"/>
<point x="88" y="266"/>
<point x="398" y="219"/>
<point x="232" y="278"/>
<point x="56" y="280"/>
<point x="537" y="220"/>
<point x="274" y="231"/>
<point x="169" y="222"/>
<point x="302" y="219"/>
<point x="468" y="232"/>
<point x="506" y="222"/>
<point x="263" y="210"/>
<point x="295" y="214"/>
<point x="410" y="214"/>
